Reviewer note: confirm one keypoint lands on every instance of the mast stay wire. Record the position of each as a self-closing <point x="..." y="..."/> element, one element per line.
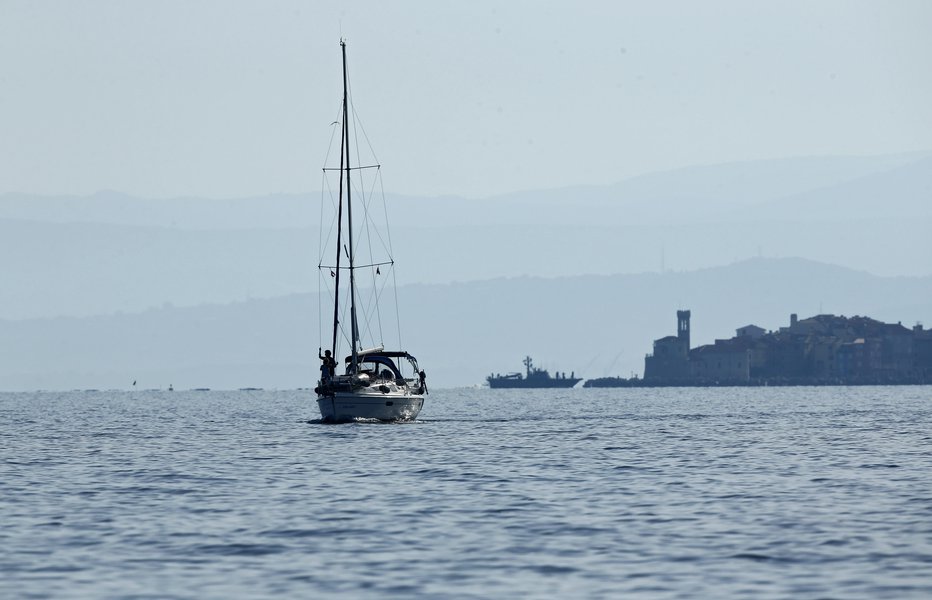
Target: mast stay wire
<point x="322" y="241"/>
<point x="367" y="197"/>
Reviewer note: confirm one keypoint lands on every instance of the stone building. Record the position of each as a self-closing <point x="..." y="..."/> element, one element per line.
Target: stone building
<point x="725" y="361"/>
<point x="670" y="360"/>
<point x="751" y="331"/>
<point x="824" y="349"/>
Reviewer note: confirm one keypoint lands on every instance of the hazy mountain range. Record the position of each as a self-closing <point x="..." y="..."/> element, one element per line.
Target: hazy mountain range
<point x="110" y="252"/>
<point x="99" y="291"/>
<point x="595" y="325"/>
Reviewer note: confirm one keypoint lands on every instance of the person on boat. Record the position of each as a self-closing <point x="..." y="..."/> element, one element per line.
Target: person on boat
<point x="328" y="366"/>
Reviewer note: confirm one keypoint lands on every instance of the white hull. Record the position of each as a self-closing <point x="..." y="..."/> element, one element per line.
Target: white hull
<point x="351" y="406"/>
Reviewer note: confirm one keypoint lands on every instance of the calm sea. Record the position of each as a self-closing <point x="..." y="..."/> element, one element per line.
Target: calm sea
<point x="668" y="493"/>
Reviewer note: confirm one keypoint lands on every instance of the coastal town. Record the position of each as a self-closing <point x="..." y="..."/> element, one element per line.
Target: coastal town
<point x="820" y="350"/>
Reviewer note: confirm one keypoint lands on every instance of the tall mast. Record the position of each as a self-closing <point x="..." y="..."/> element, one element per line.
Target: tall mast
<point x="336" y="285"/>
<point x="354" y="327"/>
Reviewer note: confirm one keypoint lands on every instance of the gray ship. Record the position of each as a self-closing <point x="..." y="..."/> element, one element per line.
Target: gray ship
<point x="533" y="378"/>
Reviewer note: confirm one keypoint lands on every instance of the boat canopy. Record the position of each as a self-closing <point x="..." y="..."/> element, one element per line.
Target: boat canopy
<point x="380" y="357"/>
<point x="364" y="355"/>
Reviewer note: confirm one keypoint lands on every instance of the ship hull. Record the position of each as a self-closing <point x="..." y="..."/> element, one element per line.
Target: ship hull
<point x="347" y="407"/>
<point x="526" y="384"/>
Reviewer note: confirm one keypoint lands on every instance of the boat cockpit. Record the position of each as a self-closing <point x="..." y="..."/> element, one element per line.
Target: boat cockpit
<point x="381" y="366"/>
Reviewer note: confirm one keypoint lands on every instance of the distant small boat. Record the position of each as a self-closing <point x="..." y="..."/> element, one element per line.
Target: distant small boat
<point x="533" y="378"/>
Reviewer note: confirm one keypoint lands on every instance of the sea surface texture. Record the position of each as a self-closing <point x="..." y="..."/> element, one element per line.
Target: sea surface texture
<point x="584" y="493"/>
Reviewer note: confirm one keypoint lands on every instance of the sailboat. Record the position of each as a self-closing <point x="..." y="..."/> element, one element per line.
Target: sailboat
<point x="372" y="383"/>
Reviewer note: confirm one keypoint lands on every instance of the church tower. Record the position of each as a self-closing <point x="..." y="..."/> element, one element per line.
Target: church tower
<point x="682" y="327"/>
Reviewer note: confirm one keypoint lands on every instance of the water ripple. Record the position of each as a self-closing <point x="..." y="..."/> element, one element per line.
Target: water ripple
<point x="670" y="493"/>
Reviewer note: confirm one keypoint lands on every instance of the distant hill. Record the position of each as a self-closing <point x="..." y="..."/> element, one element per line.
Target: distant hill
<point x="595" y="325"/>
<point x="691" y="193"/>
<point x="110" y="252"/>
<point x="902" y="192"/>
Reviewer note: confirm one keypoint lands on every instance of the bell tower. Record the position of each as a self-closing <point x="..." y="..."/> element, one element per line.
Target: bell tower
<point x="682" y="326"/>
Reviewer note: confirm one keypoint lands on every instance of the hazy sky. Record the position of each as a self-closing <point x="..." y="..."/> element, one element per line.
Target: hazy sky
<point x="232" y="98"/>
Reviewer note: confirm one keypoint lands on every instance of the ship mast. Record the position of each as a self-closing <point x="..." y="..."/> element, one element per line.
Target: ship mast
<point x="354" y="326"/>
<point x="336" y="286"/>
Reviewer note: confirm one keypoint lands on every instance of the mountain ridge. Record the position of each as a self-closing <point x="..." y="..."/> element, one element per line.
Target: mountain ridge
<point x="752" y="179"/>
<point x="860" y="212"/>
<point x="595" y="325"/>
